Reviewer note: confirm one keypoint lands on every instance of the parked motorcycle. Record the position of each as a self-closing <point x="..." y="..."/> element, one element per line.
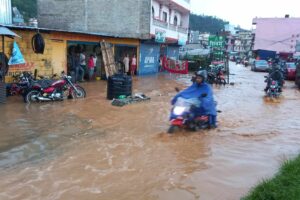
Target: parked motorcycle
<point x="24" y="82"/>
<point x="183" y="116"/>
<point x="57" y="91"/>
<point x="246" y="63"/>
<point x="216" y="76"/>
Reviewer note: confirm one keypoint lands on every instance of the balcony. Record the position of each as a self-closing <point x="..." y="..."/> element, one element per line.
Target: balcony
<point x="182" y="29"/>
<point x="160" y="23"/>
<point x="183" y="6"/>
<point x="172" y="27"/>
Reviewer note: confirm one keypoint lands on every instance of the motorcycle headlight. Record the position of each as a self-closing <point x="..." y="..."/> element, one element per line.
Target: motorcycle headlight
<point x="178" y="110"/>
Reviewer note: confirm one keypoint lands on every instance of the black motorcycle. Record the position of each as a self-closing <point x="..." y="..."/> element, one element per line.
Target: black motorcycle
<point x="273" y="89"/>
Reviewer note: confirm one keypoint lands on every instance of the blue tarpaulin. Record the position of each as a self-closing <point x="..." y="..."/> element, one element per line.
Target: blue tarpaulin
<point x="16" y="57"/>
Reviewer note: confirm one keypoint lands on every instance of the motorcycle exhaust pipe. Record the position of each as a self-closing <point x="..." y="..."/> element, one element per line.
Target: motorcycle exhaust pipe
<point x="43" y="99"/>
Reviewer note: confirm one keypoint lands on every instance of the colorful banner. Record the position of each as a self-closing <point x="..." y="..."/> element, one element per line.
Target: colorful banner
<point x="16" y="57"/>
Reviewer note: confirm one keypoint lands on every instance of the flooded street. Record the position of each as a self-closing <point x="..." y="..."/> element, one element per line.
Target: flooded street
<point x="88" y="149"/>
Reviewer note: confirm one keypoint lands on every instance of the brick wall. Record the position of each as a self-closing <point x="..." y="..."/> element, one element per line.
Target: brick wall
<point x="42" y="62"/>
<point x="130" y="18"/>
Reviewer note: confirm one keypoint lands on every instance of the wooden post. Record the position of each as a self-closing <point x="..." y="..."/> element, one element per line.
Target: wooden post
<point x="3" y="58"/>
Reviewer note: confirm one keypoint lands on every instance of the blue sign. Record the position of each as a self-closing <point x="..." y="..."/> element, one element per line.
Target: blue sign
<point x="16" y="56"/>
<point x="149" y="59"/>
<point x="181" y="41"/>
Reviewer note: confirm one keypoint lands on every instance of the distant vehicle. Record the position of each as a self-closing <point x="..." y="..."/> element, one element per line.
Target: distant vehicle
<point x="233" y="55"/>
<point x="297" y="79"/>
<point x="290" y="71"/>
<point x="260" y="65"/>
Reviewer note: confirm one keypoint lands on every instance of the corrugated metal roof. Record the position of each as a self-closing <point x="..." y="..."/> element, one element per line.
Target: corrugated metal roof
<point x="65" y="31"/>
<point x="6" y="32"/>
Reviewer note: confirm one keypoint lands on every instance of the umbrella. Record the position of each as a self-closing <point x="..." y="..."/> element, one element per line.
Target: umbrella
<point x="5" y="32"/>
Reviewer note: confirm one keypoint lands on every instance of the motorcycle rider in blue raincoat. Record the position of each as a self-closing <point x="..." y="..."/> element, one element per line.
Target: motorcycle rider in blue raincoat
<point x="200" y="89"/>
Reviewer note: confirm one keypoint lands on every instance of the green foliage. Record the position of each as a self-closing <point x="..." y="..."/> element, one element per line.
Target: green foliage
<point x="285" y="185"/>
<point x="28" y="8"/>
<point x="208" y="24"/>
<point x="198" y="61"/>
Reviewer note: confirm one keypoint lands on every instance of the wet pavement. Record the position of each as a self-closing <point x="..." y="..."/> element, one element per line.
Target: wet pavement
<point x="88" y="149"/>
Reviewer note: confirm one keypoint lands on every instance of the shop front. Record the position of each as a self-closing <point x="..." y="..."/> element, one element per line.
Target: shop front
<point x="59" y="46"/>
<point x="153" y="52"/>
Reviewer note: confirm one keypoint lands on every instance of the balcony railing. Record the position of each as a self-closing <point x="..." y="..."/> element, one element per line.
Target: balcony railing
<point x="172" y="27"/>
<point x="181" y="29"/>
<point x="160" y="23"/>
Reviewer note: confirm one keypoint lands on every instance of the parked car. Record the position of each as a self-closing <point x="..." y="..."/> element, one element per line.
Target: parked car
<point x="260" y="65"/>
<point x="290" y="71"/>
<point x="297" y="79"/>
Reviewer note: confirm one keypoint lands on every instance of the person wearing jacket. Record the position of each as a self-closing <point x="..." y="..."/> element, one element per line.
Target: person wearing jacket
<point x="203" y="91"/>
<point x="276" y="75"/>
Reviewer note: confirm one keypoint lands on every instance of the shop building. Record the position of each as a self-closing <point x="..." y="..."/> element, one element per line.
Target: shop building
<point x="58" y="45"/>
<point x="161" y="26"/>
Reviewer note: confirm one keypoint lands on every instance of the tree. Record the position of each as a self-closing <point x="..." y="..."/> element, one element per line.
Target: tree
<point x="208" y="24"/>
<point x="27" y="8"/>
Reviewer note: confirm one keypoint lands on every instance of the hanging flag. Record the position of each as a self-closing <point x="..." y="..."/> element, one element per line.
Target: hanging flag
<point x="16" y="57"/>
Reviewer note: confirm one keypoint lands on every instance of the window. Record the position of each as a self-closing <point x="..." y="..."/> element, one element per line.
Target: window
<point x="165" y="17"/>
<point x="175" y="21"/>
<point x="153" y="12"/>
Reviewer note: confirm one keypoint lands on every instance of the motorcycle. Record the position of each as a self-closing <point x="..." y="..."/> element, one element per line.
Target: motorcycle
<point x="183" y="116"/>
<point x="220" y="79"/>
<point x="274" y="88"/>
<point x="215" y="75"/>
<point x="57" y="91"/>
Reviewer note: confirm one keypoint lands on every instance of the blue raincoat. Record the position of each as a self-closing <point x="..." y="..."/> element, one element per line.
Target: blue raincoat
<point x="196" y="91"/>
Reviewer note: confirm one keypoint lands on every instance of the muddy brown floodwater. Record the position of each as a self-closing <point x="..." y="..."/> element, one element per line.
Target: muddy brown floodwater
<point x="88" y="149"/>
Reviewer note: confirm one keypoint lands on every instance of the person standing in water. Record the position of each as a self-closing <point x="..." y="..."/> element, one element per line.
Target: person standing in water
<point x="126" y="63"/>
<point x="133" y="65"/>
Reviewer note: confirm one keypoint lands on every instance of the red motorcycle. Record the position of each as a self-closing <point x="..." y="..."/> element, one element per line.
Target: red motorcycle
<point x="220" y="79"/>
<point x="57" y="91"/>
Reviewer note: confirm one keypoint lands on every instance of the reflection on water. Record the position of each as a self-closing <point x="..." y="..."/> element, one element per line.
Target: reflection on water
<point x="87" y="149"/>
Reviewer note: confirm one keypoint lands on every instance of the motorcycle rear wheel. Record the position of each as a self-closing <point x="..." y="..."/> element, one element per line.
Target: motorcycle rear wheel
<point x="172" y="129"/>
<point x="31" y="96"/>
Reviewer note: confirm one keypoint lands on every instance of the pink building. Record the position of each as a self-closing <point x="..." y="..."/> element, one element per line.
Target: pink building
<point x="277" y="34"/>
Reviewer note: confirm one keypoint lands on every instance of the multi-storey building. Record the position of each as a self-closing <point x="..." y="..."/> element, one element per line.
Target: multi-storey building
<point x="161" y="26"/>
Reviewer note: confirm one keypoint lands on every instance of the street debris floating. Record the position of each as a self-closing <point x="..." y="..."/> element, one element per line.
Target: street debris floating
<point x="137" y="98"/>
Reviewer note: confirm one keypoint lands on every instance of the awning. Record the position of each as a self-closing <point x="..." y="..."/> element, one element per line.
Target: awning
<point x="8" y="33"/>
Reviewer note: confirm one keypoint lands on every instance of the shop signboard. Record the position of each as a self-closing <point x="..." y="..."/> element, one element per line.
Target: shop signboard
<point x="160" y="36"/>
<point x="216" y="41"/>
<point x="217" y="45"/>
<point x="181" y="41"/>
<point x="149" y="59"/>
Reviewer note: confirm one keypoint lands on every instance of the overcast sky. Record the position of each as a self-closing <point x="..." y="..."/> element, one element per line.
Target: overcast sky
<point x="241" y="12"/>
